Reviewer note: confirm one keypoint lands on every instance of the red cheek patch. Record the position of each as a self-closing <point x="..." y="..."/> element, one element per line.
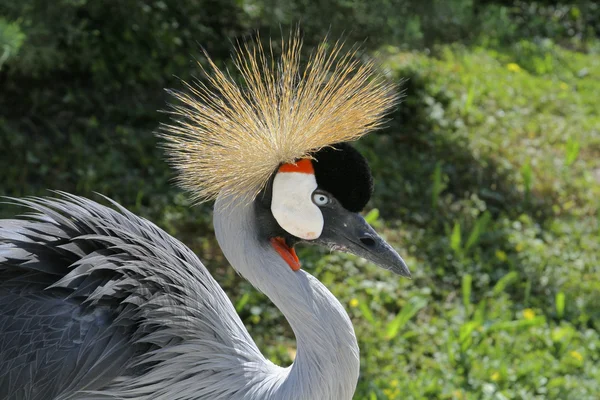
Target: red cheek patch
<point x="303" y="166"/>
<point x="287" y="253"/>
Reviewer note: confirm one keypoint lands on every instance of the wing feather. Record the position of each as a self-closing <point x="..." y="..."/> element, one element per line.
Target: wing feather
<point x="91" y="296"/>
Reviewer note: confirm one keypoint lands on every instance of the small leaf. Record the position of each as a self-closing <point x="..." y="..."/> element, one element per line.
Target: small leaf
<point x="372" y="216"/>
<point x="366" y="312"/>
<point x="408" y="311"/>
<point x="449" y="347"/>
<point x="467" y="280"/>
<point x="572" y="151"/>
<point x="239" y="306"/>
<point x="527" y="176"/>
<point x="465" y="333"/>
<point x="560" y="304"/>
<point x="504" y="282"/>
<point x="518" y="324"/>
<point x="479" y="315"/>
<point x="478" y="230"/>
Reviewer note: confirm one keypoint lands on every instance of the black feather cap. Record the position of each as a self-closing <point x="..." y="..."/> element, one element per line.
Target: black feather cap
<point x="342" y="171"/>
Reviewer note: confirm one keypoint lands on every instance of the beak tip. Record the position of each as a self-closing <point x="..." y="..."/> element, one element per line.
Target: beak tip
<point x="405" y="274"/>
<point x="403" y="270"/>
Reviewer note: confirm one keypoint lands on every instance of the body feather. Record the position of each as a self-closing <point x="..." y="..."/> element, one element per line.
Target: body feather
<point x="98" y="303"/>
<point x="89" y="294"/>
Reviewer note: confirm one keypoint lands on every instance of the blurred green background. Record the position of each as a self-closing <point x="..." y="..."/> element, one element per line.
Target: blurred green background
<point x="487" y="175"/>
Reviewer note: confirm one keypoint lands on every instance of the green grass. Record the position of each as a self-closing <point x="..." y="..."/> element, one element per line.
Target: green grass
<point x="506" y="256"/>
<point x="487" y="181"/>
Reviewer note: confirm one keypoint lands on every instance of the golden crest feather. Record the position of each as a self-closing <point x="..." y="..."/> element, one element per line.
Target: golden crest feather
<point x="229" y="138"/>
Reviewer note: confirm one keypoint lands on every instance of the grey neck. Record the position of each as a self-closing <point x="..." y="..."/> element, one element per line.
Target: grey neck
<point x="327" y="359"/>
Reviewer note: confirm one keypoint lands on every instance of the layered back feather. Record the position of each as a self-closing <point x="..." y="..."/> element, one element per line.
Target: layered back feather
<point x="94" y="298"/>
<point x="229" y="138"/>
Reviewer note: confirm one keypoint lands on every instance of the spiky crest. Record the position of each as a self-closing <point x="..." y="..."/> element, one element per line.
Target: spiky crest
<point x="230" y="138"/>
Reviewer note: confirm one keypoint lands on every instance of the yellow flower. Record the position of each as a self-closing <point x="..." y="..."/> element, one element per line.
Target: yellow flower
<point x="354" y="303"/>
<point x="564" y="86"/>
<point x="500" y="255"/>
<point x="528" y="314"/>
<point x="513" y="67"/>
<point x="457" y="394"/>
<point x="495" y="376"/>
<point x="576" y="355"/>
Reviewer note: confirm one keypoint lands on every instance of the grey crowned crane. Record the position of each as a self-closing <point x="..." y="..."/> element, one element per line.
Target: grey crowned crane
<point x="98" y="303"/>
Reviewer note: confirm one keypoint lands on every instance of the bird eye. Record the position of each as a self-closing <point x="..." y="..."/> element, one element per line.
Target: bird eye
<point x="320" y="199"/>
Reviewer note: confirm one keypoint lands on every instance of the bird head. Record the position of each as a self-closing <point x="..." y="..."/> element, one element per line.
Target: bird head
<point x="277" y="137"/>
<point x="318" y="201"/>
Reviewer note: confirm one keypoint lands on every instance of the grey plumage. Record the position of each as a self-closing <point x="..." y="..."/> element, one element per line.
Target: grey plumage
<point x="97" y="303"/>
<point x="88" y="294"/>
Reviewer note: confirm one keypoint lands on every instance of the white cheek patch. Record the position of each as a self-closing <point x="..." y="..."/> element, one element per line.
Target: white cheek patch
<point x="292" y="204"/>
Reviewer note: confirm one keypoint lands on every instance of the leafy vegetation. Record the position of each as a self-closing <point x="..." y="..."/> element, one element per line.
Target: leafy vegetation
<point x="508" y="245"/>
<point x="487" y="176"/>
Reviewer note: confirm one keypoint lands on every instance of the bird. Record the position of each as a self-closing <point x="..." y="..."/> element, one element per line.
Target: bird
<point x="99" y="303"/>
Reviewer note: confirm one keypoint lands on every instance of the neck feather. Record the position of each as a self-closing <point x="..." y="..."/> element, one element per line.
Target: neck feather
<point x="327" y="358"/>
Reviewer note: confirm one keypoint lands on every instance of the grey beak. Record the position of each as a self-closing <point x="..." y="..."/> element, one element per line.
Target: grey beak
<point x="349" y="232"/>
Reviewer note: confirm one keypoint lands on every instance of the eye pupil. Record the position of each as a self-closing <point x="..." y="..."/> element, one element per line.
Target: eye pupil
<point x="320" y="199"/>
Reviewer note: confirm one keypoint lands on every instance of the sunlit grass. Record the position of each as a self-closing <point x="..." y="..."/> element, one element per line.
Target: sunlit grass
<point x="518" y="316"/>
